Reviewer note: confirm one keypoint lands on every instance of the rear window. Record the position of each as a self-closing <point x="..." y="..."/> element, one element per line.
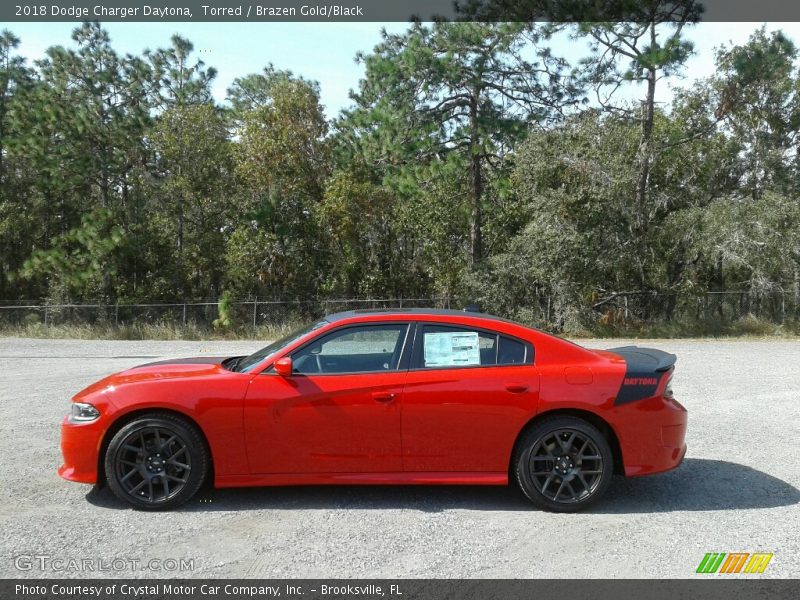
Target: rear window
<point x="510" y="351"/>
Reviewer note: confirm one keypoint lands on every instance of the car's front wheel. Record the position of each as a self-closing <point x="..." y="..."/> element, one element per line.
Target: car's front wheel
<point x="156" y="462"/>
<point x="563" y="464"/>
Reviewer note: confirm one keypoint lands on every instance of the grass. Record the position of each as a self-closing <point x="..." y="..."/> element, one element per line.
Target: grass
<point x="156" y="331"/>
<point x="748" y="327"/>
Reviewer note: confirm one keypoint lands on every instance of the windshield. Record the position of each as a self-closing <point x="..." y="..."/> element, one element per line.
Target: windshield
<point x="248" y="362"/>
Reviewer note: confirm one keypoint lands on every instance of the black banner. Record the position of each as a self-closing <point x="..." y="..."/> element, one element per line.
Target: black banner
<point x="714" y="588"/>
<point x="397" y="10"/>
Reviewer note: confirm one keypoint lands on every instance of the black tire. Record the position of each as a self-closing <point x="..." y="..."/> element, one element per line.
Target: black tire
<point x="553" y="467"/>
<point x="156" y="462"/>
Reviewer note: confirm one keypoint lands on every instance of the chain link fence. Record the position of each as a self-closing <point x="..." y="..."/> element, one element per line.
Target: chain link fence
<point x="775" y="306"/>
<point x="252" y="313"/>
<point x="636" y="308"/>
<point x="624" y="308"/>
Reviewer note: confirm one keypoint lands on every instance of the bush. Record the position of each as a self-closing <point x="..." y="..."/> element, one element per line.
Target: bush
<point x="31" y="319"/>
<point x="224" y="320"/>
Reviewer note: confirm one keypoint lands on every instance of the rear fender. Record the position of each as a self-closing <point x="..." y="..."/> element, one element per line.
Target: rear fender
<point x="647" y="371"/>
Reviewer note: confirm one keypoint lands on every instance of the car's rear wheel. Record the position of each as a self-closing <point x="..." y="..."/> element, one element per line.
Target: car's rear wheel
<point x="156" y="462"/>
<point x="563" y="464"/>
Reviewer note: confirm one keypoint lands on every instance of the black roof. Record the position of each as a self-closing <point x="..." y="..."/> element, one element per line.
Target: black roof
<point x="412" y="311"/>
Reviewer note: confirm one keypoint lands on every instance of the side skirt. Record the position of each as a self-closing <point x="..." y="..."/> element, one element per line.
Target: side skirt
<point x="434" y="478"/>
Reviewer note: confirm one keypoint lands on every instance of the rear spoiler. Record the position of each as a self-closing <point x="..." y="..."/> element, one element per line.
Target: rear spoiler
<point x="645" y="359"/>
<point x="645" y="368"/>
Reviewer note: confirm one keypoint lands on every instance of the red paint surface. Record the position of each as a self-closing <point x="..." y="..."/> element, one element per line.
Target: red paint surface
<point x="448" y="426"/>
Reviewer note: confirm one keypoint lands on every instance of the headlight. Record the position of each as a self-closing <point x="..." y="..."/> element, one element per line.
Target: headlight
<point x="81" y="411"/>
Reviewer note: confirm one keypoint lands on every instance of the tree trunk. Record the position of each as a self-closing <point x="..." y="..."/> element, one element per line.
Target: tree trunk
<point x="5" y="97"/>
<point x="645" y="160"/>
<point x="476" y="184"/>
<point x="476" y="241"/>
<point x="645" y="152"/>
<point x="645" y="148"/>
<point x="2" y="139"/>
<point x="180" y="281"/>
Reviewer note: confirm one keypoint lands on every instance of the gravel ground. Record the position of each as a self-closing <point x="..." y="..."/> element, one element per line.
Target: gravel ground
<point x="736" y="491"/>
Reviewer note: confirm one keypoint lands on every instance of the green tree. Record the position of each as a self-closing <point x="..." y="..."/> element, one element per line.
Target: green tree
<point x="575" y="249"/>
<point x="748" y="117"/>
<point x="175" y="79"/>
<point x="281" y="161"/>
<point x="16" y="223"/>
<point x="367" y="243"/>
<point x="753" y="245"/>
<point x="579" y="248"/>
<point x="190" y="201"/>
<point x="756" y="87"/>
<point x="255" y="91"/>
<point x="454" y="94"/>
<point x="641" y="51"/>
<point x="82" y="260"/>
<point x="13" y="73"/>
<point x="84" y="120"/>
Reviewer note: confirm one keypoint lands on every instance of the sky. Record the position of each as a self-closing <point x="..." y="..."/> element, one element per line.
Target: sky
<point x="325" y="52"/>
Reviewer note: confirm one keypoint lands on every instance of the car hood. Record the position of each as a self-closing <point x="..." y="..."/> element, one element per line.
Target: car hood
<point x="169" y="369"/>
<point x="176" y="367"/>
<point x="194" y="361"/>
<point x="197" y="367"/>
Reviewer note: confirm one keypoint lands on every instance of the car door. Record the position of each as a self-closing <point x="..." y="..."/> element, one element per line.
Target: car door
<point x="467" y="394"/>
<point x="339" y="412"/>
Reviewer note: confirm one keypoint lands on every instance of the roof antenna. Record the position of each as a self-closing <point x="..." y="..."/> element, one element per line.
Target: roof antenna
<point x="472" y="308"/>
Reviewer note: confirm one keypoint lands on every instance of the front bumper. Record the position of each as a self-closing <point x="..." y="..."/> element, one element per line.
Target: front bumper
<point x="80" y="447"/>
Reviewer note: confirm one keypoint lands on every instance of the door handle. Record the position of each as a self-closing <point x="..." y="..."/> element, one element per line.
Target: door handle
<point x="383" y="396"/>
<point x="516" y="388"/>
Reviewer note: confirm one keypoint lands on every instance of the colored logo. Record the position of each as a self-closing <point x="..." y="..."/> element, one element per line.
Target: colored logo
<point x="734" y="562"/>
<point x="641" y="381"/>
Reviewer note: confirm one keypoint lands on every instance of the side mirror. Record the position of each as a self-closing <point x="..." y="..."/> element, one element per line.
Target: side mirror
<point x="283" y="366"/>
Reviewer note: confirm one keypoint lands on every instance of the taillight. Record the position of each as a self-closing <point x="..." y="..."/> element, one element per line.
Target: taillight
<point x="668" y="388"/>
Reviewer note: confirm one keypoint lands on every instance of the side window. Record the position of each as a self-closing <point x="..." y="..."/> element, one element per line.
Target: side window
<point x="361" y="349"/>
<point x="446" y="346"/>
<point x="512" y="352"/>
<point x="455" y="347"/>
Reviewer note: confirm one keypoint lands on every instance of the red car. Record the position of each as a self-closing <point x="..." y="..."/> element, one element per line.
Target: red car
<point x="383" y="397"/>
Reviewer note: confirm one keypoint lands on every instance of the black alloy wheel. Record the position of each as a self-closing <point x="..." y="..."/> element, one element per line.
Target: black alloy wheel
<point x="563" y="464"/>
<point x="156" y="462"/>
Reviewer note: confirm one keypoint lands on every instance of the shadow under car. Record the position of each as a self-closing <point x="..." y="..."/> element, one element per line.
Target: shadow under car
<point x="698" y="484"/>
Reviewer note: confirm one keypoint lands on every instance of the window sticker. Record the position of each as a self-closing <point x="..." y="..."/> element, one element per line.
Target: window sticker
<point x="452" y="349"/>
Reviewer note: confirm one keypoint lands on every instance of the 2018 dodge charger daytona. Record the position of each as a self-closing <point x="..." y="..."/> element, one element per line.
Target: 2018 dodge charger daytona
<point x="383" y="397"/>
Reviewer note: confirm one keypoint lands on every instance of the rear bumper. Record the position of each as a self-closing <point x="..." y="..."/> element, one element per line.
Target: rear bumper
<point x="80" y="447"/>
<point x="664" y="459"/>
<point x="653" y="437"/>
